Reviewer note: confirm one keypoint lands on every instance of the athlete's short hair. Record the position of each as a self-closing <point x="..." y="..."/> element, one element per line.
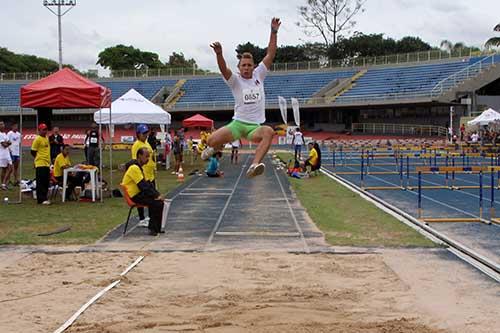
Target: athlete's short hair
<point x="244" y="55"/>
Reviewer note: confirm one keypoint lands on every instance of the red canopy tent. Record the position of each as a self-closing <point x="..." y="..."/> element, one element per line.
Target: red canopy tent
<point x="65" y="89"/>
<point x="198" y="121"/>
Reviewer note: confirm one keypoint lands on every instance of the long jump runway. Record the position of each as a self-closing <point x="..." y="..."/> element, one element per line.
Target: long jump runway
<point x="233" y="212"/>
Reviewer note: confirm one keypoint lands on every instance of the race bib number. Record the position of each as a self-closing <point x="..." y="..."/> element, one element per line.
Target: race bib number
<point x="251" y="96"/>
<point x="93" y="140"/>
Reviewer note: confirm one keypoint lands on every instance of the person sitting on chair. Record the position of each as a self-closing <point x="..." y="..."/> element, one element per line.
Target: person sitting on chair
<point x="143" y="192"/>
<point x="62" y="162"/>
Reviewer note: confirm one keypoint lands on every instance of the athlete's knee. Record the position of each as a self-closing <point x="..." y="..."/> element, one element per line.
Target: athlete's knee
<point x="268" y="132"/>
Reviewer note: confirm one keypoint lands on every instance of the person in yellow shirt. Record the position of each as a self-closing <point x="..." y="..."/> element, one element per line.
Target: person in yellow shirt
<point x="314" y="160"/>
<point x="40" y="150"/>
<point x="149" y="168"/>
<point x="143" y="192"/>
<point x="62" y="162"/>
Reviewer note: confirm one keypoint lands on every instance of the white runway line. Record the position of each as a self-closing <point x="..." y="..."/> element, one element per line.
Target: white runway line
<point x="77" y="314"/>
<point x="221" y="216"/>
<point x="297" y="225"/>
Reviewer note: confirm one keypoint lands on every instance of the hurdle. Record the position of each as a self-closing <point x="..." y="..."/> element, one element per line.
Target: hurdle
<point x="480" y="170"/>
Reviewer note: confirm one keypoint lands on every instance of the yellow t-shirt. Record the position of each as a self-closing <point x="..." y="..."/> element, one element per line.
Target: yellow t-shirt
<point x="59" y="163"/>
<point x="132" y="177"/>
<point x="150" y="167"/>
<point x="313" y="157"/>
<point x="42" y="147"/>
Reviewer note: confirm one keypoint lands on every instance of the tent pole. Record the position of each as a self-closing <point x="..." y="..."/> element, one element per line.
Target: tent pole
<point x="21" y="153"/>
<point x="110" y="151"/>
<point x="100" y="151"/>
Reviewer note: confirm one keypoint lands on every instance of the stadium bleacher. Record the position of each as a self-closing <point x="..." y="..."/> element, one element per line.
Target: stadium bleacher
<point x="9" y="92"/>
<point x="378" y="82"/>
<point x="298" y="85"/>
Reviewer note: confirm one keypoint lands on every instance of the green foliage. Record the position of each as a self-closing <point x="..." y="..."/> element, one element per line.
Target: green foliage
<point x="11" y="62"/>
<point x="361" y="45"/>
<point x="121" y="57"/>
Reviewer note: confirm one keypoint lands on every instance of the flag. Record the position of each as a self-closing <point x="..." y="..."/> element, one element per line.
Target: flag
<point x="283" y="106"/>
<point x="296" y="111"/>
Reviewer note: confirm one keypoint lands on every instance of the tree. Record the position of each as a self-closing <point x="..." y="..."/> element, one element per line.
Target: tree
<point x="179" y="60"/>
<point x="11" y="62"/>
<point x="257" y="52"/>
<point x="493" y="42"/>
<point x="374" y="45"/>
<point x="121" y="57"/>
<point x="329" y="19"/>
<point x="455" y="48"/>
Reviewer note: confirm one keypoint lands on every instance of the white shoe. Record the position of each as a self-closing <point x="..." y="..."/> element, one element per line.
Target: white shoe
<point x="46" y="202"/>
<point x="144" y="223"/>
<point x="173" y="173"/>
<point x="256" y="170"/>
<point x="207" y="153"/>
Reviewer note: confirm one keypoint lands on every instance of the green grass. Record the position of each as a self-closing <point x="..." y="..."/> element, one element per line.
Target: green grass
<point x="346" y="219"/>
<point x="20" y="224"/>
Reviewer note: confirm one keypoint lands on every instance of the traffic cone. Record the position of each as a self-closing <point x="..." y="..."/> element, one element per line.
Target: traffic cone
<point x="180" y="175"/>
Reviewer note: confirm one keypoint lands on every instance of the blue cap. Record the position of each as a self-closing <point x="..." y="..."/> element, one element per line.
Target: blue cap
<point x="142" y="129"/>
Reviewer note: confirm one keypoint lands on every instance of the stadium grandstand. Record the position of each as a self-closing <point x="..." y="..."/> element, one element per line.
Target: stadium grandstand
<point x="350" y="96"/>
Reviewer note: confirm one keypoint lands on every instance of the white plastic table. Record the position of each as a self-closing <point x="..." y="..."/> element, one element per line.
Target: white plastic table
<point x="92" y="173"/>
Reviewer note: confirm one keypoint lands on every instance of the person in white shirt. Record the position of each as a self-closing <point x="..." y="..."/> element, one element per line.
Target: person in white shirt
<point x="5" y="159"/>
<point x="247" y="87"/>
<point x="474" y="137"/>
<point x="15" y="151"/>
<point x="298" y="141"/>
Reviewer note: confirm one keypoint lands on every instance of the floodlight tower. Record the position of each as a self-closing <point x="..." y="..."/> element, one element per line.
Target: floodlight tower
<point x="68" y="5"/>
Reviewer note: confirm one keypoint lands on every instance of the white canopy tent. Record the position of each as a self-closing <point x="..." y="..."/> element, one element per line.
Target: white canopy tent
<point x="132" y="108"/>
<point x="487" y="117"/>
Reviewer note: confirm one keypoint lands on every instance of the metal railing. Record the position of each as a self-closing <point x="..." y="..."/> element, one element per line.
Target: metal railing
<point x="467" y="73"/>
<point x="394" y="59"/>
<point x="399" y="129"/>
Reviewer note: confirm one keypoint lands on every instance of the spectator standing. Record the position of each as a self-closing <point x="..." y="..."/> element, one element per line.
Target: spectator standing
<point x="462" y="132"/>
<point x="235" y="146"/>
<point x="94" y="136"/>
<point x="40" y="150"/>
<point x="56" y="142"/>
<point x="5" y="159"/>
<point x="86" y="144"/>
<point x="177" y="148"/>
<point x="15" y="151"/>
<point x="298" y="142"/>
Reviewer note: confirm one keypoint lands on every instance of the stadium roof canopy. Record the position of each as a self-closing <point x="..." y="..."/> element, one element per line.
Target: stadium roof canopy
<point x="132" y="108"/>
<point x="65" y="89"/>
<point x="198" y="121"/>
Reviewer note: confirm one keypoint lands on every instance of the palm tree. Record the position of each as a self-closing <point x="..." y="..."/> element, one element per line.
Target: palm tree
<point x="494" y="41"/>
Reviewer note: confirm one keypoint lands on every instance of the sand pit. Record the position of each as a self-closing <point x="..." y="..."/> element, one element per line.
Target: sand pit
<point x="247" y="292"/>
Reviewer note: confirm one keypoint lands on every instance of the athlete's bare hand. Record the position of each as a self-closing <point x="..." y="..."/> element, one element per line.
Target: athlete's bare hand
<point x="217" y="47"/>
<point x="275" y="24"/>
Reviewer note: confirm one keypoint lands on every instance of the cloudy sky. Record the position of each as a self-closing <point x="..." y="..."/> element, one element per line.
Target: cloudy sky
<point x="164" y="26"/>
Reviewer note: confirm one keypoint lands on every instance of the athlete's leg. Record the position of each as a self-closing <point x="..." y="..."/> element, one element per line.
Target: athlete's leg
<point x="264" y="137"/>
<point x="216" y="142"/>
<point x="219" y="138"/>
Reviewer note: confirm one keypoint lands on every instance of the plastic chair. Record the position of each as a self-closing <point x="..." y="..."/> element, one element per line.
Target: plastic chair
<point x="131" y="204"/>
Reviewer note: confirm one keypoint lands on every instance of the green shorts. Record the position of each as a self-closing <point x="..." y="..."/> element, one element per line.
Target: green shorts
<point x="240" y="129"/>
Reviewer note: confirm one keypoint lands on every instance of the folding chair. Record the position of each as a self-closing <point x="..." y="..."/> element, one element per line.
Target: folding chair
<point x="131" y="204"/>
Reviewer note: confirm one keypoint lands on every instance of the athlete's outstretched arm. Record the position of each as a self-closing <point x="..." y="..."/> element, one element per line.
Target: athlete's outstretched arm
<point x="273" y="43"/>
<point x="221" y="62"/>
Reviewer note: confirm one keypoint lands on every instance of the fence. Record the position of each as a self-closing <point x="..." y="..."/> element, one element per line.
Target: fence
<point x="394" y="59"/>
<point x="399" y="129"/>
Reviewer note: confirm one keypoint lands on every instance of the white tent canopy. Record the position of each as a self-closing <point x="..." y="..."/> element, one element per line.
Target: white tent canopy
<point x="487" y="117"/>
<point x="132" y="108"/>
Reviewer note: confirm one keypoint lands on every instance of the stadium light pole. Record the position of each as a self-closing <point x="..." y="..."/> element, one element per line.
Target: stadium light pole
<point x="69" y="5"/>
